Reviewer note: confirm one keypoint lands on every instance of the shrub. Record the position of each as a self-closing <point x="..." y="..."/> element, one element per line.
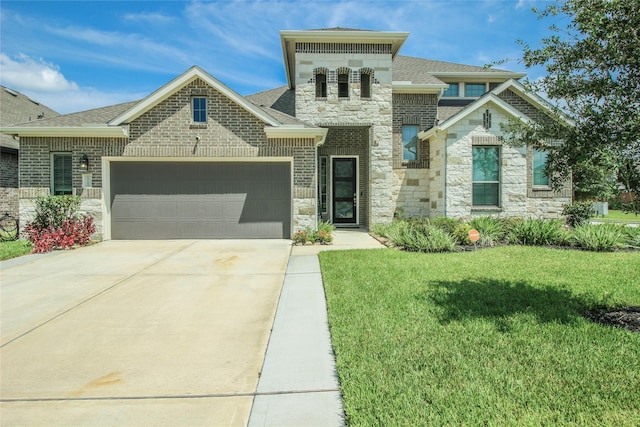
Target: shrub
<point x="491" y="229"/>
<point x="461" y="234"/>
<point x="445" y="223"/>
<point x="301" y="237"/>
<point x="421" y="237"/>
<point x="631" y="236"/>
<point x="58" y="225"/>
<point x="578" y="213"/>
<point x="325" y="232"/>
<point x="601" y="237"/>
<point x="381" y="229"/>
<point x="538" y="232"/>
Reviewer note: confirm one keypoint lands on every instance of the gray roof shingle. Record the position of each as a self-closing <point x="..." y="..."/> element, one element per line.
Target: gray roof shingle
<point x="16" y="107"/>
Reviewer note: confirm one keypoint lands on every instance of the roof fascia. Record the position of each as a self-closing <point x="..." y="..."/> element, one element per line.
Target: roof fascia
<point x="479" y="103"/>
<point x="179" y="82"/>
<point x="536" y="99"/>
<point x="289" y="37"/>
<point x="479" y="74"/>
<point x="406" y="87"/>
<point x="97" y="131"/>
<point x="319" y="135"/>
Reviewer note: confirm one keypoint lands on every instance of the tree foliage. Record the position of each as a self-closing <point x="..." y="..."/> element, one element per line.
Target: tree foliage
<point x="593" y="82"/>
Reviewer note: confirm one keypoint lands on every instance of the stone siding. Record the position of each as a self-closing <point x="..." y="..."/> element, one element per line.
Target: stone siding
<point x="375" y="113"/>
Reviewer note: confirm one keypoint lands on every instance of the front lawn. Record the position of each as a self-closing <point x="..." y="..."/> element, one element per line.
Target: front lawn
<point x="489" y="337"/>
<point x="14" y="248"/>
<point x="619" y="216"/>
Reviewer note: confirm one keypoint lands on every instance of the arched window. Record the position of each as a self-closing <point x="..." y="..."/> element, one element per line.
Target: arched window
<point x="365" y="82"/>
<point x="321" y="83"/>
<point x="343" y="83"/>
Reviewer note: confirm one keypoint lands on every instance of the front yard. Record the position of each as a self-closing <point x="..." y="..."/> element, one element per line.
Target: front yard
<point x="489" y="337"/>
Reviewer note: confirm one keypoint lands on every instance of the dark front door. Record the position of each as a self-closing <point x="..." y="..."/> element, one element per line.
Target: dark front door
<point x="344" y="190"/>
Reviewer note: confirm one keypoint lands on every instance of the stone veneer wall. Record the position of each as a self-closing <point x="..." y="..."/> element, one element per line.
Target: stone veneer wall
<point x="515" y="169"/>
<point x="374" y="112"/>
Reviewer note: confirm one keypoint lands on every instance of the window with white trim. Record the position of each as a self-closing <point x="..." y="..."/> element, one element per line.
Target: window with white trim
<point x="452" y="90"/>
<point x="486" y="176"/>
<point x="474" y="89"/>
<point x="61" y="174"/>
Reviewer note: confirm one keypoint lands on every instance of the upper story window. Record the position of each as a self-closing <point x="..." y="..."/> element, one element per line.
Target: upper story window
<point x="61" y="174"/>
<point x="486" y="176"/>
<point x="343" y="84"/>
<point x="199" y="109"/>
<point x="409" y="142"/>
<point x="365" y="85"/>
<point x="474" y="89"/>
<point x="321" y="84"/>
<point x="452" y="90"/>
<point x="539" y="164"/>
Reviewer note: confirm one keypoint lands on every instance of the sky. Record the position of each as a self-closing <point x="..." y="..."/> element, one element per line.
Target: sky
<point x="78" y="55"/>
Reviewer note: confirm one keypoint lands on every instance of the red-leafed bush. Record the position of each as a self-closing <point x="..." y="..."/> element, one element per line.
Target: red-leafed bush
<point x="58" y="225"/>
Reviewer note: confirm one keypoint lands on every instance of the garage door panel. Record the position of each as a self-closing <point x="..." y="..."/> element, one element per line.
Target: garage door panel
<point x="200" y="200"/>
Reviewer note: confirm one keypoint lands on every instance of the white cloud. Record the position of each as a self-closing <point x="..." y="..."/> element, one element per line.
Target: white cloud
<point x="44" y="82"/>
<point x="33" y="74"/>
<point x="151" y="18"/>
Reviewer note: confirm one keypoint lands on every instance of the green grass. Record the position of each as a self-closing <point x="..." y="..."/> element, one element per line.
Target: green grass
<point x="14" y="248"/>
<point x="619" y="216"/>
<point x="489" y="337"/>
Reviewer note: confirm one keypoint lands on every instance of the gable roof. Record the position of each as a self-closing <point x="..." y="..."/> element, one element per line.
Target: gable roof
<point x="492" y="97"/>
<point x="179" y="82"/>
<point x="16" y="107"/>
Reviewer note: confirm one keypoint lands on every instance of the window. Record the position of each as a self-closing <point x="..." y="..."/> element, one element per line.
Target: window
<point x="474" y="89"/>
<point x="365" y="85"/>
<point x="452" y="90"/>
<point x="322" y="184"/>
<point x="539" y="164"/>
<point x="486" y="176"/>
<point x="199" y="109"/>
<point x="409" y="142"/>
<point x="61" y="174"/>
<point x="321" y="85"/>
<point x="343" y="85"/>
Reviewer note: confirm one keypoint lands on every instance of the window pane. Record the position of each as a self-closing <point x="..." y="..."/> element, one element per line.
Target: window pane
<point x="199" y="110"/>
<point x="485" y="194"/>
<point x="409" y="142"/>
<point x="343" y="85"/>
<point x="62" y="174"/>
<point x="486" y="164"/>
<point x="474" y="89"/>
<point x="452" y="90"/>
<point x="321" y="85"/>
<point x="365" y="85"/>
<point x="539" y="163"/>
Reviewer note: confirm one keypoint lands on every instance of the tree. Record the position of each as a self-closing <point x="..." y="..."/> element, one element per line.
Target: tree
<point x="593" y="83"/>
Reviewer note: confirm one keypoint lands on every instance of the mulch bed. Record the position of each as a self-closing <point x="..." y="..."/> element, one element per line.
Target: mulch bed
<point x="623" y="317"/>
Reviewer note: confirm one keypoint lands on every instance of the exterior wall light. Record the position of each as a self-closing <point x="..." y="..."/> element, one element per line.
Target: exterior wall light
<point x="84" y="163"/>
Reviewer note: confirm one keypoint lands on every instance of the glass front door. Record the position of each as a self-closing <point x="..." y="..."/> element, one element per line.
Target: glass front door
<point x="345" y="196"/>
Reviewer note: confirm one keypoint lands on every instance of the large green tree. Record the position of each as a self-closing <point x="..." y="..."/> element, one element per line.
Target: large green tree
<point x="592" y="79"/>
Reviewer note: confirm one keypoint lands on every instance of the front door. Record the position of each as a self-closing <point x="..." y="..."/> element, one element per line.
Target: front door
<point x="344" y="190"/>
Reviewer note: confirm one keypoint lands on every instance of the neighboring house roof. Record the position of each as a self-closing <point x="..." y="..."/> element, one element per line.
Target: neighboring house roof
<point x="491" y="96"/>
<point x="16" y="107"/>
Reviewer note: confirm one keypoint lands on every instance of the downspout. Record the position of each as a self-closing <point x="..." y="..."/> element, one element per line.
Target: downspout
<point x="444" y="182"/>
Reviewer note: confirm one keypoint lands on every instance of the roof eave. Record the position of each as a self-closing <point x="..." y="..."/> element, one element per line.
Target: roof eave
<point x="75" y="131"/>
<point x="479" y="74"/>
<point x="402" y="87"/>
<point x="319" y="135"/>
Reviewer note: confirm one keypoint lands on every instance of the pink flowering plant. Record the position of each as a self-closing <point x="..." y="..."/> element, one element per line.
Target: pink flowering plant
<point x="58" y="225"/>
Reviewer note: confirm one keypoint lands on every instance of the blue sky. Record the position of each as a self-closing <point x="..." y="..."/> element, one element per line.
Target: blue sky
<point x="77" y="55"/>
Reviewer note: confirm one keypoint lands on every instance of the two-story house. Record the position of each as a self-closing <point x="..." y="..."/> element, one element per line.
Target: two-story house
<point x="358" y="135"/>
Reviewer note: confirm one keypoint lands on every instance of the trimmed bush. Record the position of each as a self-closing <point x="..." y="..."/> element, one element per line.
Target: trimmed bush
<point x="461" y="234"/>
<point x="425" y="238"/>
<point x="578" y="213"/>
<point x="538" y="232"/>
<point x="447" y="224"/>
<point x="599" y="237"/>
<point x="631" y="236"/>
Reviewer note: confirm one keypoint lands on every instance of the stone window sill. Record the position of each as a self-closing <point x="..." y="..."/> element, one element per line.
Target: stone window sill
<point x="198" y="126"/>
<point x="486" y="209"/>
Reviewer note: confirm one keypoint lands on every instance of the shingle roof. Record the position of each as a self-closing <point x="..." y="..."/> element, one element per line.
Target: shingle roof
<point x="431" y="66"/>
<point x="281" y="98"/>
<point x="16" y="107"/>
<point x="95" y="116"/>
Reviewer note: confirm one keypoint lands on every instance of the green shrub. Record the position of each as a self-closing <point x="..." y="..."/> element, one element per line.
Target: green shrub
<point x="538" y="232"/>
<point x="461" y="234"/>
<point x="631" y="236"/>
<point x="425" y="238"/>
<point x="578" y="213"/>
<point x="599" y="237"/>
<point x="52" y="211"/>
<point x="491" y="229"/>
<point x="381" y="229"/>
<point x="325" y="231"/>
<point x="447" y="224"/>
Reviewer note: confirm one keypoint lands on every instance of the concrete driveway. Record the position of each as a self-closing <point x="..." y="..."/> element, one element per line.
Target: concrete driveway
<point x="138" y="332"/>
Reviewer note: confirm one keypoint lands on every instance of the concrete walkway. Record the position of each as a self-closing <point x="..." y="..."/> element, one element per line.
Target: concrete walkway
<point x="298" y="385"/>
